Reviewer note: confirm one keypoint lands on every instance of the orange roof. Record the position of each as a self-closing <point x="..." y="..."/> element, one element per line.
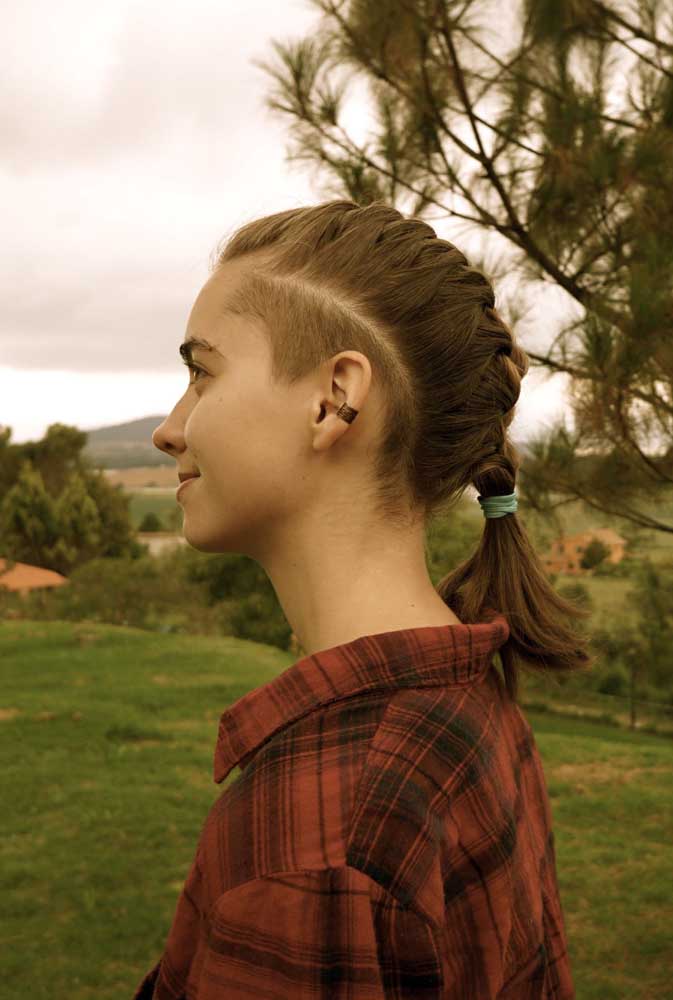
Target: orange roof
<point x="23" y="576"/>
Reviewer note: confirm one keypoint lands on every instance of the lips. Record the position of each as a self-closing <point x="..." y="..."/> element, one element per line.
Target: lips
<point x="184" y="482"/>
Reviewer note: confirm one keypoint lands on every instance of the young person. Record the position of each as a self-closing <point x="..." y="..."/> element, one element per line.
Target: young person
<point x="390" y="833"/>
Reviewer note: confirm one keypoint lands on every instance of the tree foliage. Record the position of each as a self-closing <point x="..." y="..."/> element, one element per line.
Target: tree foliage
<point x="594" y="554"/>
<point x="151" y="522"/>
<point x="56" y="510"/>
<point x="562" y="151"/>
<point x="28" y="523"/>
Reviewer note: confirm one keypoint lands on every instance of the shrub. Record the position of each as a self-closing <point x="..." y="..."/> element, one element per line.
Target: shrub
<point x="115" y="590"/>
<point x="151" y="522"/>
<point x="177" y="590"/>
<point x="594" y="554"/>
<point x="614" y="680"/>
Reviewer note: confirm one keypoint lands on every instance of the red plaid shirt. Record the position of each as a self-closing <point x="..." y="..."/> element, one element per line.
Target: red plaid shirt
<point x="389" y="836"/>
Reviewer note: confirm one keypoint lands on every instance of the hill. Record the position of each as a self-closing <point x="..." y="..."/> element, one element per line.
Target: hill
<point x="127" y="445"/>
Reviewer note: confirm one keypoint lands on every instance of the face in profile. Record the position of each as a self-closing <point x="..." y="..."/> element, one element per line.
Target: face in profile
<point x="255" y="445"/>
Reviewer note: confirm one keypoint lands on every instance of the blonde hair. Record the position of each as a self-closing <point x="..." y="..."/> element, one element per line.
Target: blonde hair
<point x="338" y="276"/>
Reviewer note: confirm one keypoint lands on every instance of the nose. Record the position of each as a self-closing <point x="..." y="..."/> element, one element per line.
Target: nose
<point x="169" y="435"/>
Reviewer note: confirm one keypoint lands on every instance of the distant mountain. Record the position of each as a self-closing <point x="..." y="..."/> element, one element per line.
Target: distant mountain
<point x="126" y="446"/>
<point x="138" y="431"/>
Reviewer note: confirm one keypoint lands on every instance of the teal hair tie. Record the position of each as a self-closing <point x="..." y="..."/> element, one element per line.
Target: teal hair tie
<point x="498" y="506"/>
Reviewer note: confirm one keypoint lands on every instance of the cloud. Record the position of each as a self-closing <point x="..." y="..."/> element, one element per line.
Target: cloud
<point x="87" y="401"/>
<point x="135" y="138"/>
<point x="86" y="85"/>
<point x="135" y="144"/>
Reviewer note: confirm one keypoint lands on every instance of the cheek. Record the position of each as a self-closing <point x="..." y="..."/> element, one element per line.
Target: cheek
<point x="223" y="446"/>
<point x="204" y="427"/>
<point x="246" y="447"/>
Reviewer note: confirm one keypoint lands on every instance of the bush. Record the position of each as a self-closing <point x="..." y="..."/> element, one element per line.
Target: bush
<point x="614" y="680"/>
<point x="177" y="590"/>
<point x="594" y="554"/>
<point x="151" y="522"/>
<point x="11" y="603"/>
<point x="259" y="617"/>
<point x="119" y="591"/>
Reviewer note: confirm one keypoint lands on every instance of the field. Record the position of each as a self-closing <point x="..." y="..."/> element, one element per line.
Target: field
<point x="144" y="476"/>
<point x="151" y="488"/>
<point x="162" y="502"/>
<point x="108" y="736"/>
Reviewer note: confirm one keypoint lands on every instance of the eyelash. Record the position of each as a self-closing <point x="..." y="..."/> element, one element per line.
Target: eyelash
<point x="194" y="368"/>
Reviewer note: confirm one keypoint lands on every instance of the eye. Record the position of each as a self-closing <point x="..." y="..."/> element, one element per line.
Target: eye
<point x="196" y="370"/>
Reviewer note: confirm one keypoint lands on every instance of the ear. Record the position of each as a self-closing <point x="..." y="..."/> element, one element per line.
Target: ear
<point x="328" y="427"/>
<point x="346" y="379"/>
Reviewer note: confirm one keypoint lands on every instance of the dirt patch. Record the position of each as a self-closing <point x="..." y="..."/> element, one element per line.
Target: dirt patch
<point x="9" y="713"/>
<point x="140" y="477"/>
<point x="84" y="637"/>
<point x="48" y="716"/>
<point x="183" y="725"/>
<point x="604" y="773"/>
<point x="196" y="777"/>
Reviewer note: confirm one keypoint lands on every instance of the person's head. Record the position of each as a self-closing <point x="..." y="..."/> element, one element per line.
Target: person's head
<point x="258" y="420"/>
<point x="316" y="306"/>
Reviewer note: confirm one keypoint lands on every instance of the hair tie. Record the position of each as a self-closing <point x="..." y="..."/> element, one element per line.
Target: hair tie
<point x="498" y="506"/>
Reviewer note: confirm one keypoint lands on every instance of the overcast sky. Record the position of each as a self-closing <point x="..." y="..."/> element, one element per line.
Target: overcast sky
<point x="135" y="138"/>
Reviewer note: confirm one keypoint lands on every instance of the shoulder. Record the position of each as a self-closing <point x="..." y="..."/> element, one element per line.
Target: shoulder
<point x="433" y="756"/>
<point x="374" y="784"/>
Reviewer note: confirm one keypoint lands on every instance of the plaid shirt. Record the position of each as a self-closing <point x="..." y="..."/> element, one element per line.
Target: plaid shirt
<point x="389" y="836"/>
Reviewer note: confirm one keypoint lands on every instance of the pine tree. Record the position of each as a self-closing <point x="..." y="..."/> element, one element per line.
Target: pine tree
<point x="561" y="151"/>
<point x="80" y="528"/>
<point x="28" y="519"/>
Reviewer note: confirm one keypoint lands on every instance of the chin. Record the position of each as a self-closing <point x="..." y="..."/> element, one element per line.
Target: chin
<point x="202" y="540"/>
<point x="197" y="539"/>
<point x="203" y="544"/>
<point x="222" y="532"/>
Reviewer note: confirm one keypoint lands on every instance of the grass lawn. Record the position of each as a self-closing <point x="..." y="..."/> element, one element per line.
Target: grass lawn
<point x="108" y="736"/>
<point x="161" y="503"/>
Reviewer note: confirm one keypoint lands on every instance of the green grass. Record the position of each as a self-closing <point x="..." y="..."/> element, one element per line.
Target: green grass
<point x="164" y="505"/>
<point x="108" y="736"/>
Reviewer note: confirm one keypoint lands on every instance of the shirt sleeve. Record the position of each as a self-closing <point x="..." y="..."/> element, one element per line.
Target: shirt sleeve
<point x="319" y="934"/>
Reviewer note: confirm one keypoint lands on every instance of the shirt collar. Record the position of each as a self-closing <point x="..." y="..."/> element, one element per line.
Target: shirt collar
<point x="431" y="656"/>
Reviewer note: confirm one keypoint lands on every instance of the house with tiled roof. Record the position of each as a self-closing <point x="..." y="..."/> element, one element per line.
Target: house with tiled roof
<point x="22" y="577"/>
<point x="565" y="555"/>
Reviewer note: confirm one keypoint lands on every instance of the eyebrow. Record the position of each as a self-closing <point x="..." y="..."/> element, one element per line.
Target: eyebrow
<point x="188" y="346"/>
